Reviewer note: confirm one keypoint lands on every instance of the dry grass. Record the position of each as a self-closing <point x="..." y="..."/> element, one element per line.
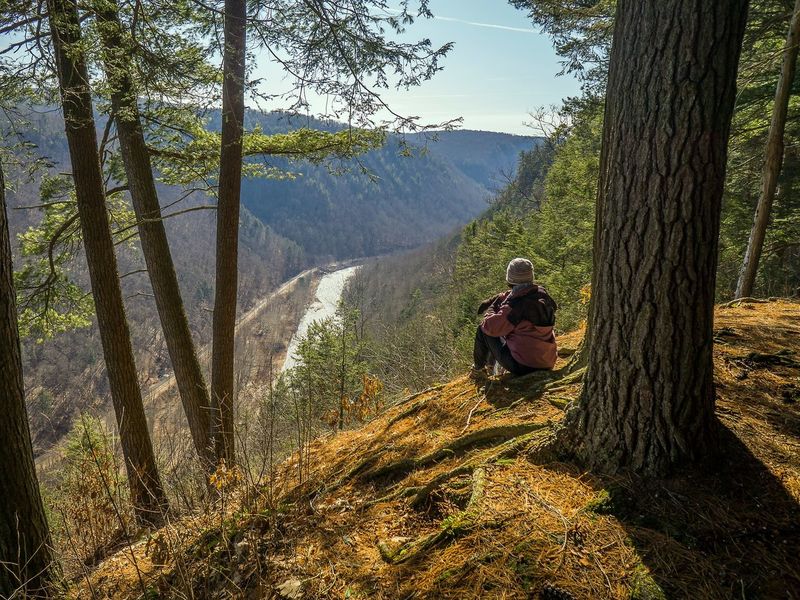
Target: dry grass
<point x="727" y="532"/>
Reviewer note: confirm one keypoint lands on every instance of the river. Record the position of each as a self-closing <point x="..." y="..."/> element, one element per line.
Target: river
<point x="326" y="301"/>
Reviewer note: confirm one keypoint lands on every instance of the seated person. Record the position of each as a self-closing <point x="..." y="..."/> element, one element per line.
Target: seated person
<point x="517" y="328"/>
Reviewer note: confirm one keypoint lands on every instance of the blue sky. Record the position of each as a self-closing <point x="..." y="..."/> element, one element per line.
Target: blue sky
<point x="500" y="69"/>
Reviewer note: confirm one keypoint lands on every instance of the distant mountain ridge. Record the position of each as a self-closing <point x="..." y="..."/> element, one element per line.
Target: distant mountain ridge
<point x="402" y="202"/>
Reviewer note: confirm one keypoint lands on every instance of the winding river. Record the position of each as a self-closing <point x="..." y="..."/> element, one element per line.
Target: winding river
<point x="329" y="292"/>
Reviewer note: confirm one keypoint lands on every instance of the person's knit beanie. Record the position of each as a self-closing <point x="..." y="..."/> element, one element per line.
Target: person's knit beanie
<point x="520" y="270"/>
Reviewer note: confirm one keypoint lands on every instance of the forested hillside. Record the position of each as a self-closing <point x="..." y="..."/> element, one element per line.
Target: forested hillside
<point x="398" y="203"/>
<point x="412" y="190"/>
<point x="481" y="155"/>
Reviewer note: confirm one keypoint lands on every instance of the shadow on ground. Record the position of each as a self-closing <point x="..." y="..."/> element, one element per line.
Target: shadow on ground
<point x="733" y="526"/>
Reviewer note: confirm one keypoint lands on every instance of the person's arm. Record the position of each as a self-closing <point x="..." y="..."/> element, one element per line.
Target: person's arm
<point x="493" y="302"/>
<point x="495" y="323"/>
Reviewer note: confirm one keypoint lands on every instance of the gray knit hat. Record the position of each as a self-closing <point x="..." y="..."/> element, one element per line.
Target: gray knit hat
<point x="520" y="270"/>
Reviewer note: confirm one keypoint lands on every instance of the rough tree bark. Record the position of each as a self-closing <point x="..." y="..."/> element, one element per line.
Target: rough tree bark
<point x="230" y="182"/>
<point x="773" y="159"/>
<point x="24" y="536"/>
<point x="648" y="396"/>
<point x="155" y="247"/>
<point x="147" y="494"/>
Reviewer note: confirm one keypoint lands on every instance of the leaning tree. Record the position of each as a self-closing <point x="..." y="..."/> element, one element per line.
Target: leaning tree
<point x="773" y="158"/>
<point x="147" y="493"/>
<point x="648" y="396"/>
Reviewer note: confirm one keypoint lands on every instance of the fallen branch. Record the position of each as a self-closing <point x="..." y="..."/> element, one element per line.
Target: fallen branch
<point x="472" y="410"/>
<point x="756" y="360"/>
<point x="747" y="300"/>
<point x="452" y="528"/>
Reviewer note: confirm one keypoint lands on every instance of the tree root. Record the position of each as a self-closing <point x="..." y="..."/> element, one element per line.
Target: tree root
<point x="452" y="528"/>
<point x="579" y="360"/>
<point x="552" y="386"/>
<point x="499" y="432"/>
<point x="560" y="401"/>
<point x="419" y="494"/>
<point x="410" y="411"/>
<point x="574" y="377"/>
<point x="416" y="395"/>
<point x="355" y="471"/>
<point x="509" y="449"/>
<point x="534" y="379"/>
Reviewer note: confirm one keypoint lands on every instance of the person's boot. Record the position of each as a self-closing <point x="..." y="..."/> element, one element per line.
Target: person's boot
<point x="479" y="374"/>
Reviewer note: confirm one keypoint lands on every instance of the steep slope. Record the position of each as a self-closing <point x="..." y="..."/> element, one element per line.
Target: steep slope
<point x="444" y="496"/>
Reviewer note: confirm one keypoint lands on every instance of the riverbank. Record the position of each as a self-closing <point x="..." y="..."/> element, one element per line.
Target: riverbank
<point x="326" y="301"/>
<point x="261" y="341"/>
<point x="265" y="338"/>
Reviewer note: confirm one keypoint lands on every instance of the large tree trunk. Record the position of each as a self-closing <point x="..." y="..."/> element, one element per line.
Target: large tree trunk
<point x="773" y="159"/>
<point x="648" y="396"/>
<point x="155" y="247"/>
<point x="147" y="494"/>
<point x="24" y="538"/>
<point x="230" y="183"/>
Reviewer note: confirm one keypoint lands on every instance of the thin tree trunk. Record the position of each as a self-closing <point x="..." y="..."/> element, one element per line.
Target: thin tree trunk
<point x="773" y="159"/>
<point x="24" y="537"/>
<point x="230" y="182"/>
<point x="147" y="494"/>
<point x="648" y="396"/>
<point x="155" y="247"/>
<point x="340" y="424"/>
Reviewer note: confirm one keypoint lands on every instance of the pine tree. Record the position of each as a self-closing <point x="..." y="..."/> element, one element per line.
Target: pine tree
<point x="230" y="183"/>
<point x="117" y="50"/>
<point x="648" y="396"/>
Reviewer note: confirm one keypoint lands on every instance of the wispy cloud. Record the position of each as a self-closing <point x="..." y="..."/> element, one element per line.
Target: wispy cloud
<point x="476" y="23"/>
<point x="488" y="25"/>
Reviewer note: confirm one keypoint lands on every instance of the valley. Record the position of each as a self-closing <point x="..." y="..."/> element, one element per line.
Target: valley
<point x="381" y="203"/>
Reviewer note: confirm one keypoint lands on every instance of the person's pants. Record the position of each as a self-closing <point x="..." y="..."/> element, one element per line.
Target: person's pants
<point x="489" y="349"/>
